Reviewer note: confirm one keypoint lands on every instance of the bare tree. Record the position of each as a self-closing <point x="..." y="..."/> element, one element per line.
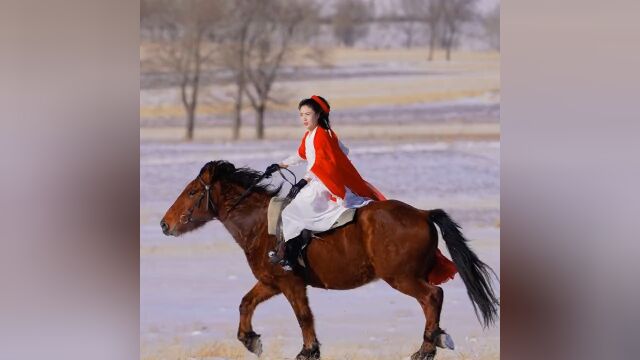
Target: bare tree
<point x="428" y="11"/>
<point x="270" y="41"/>
<point x="491" y="25"/>
<point x="409" y="9"/>
<point x="456" y="13"/>
<point x="349" y="22"/>
<point x="433" y="17"/>
<point x="234" y="54"/>
<point x="408" y="26"/>
<point x="155" y="20"/>
<point x="188" y="51"/>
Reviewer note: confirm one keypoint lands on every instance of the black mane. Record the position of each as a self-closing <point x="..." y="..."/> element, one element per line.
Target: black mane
<point x="245" y="177"/>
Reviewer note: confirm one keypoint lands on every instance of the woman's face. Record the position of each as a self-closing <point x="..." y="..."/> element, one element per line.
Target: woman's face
<point x="309" y="117"/>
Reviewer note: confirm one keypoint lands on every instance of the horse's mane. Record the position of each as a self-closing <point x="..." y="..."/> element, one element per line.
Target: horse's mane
<point x="245" y="177"/>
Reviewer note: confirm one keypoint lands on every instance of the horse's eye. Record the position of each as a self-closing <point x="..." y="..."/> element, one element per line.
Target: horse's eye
<point x="192" y="192"/>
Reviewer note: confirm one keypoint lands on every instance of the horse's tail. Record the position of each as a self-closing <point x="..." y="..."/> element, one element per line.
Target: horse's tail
<point x="475" y="274"/>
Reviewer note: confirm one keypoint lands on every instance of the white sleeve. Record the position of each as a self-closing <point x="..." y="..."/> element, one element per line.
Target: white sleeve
<point x="293" y="160"/>
<point x="345" y="149"/>
<point x="309" y="175"/>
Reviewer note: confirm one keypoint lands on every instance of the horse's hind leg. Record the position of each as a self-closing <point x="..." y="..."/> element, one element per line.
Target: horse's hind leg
<point x="430" y="298"/>
<point x="296" y="292"/>
<point x="259" y="293"/>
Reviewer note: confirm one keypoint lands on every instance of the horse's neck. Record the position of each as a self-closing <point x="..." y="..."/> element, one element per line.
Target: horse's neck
<point x="248" y="221"/>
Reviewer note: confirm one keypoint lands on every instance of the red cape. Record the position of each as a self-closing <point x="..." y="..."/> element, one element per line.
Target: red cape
<point x="335" y="170"/>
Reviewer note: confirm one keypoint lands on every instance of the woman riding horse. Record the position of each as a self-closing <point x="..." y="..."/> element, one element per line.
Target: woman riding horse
<point x="390" y="240"/>
<point x="331" y="186"/>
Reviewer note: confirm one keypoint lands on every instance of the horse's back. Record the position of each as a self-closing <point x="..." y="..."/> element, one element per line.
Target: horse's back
<point x="397" y="237"/>
<point x="392" y="216"/>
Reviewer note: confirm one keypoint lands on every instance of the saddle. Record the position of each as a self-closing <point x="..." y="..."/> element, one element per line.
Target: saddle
<point x="277" y="204"/>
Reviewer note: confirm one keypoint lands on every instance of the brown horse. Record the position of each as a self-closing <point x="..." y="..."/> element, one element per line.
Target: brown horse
<point x="389" y="240"/>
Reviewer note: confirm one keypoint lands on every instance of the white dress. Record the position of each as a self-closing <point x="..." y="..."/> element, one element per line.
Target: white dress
<point x="313" y="208"/>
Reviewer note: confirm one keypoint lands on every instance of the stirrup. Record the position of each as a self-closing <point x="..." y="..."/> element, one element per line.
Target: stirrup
<point x="273" y="257"/>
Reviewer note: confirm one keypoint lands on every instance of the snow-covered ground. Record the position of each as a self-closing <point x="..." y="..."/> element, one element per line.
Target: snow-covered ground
<point x="191" y="286"/>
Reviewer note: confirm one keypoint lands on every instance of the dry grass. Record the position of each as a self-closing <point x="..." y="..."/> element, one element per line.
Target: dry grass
<point x="345" y="95"/>
<point x="179" y="351"/>
<point x="233" y="350"/>
<point x="347" y="55"/>
<point x="435" y="132"/>
<point x="228" y="350"/>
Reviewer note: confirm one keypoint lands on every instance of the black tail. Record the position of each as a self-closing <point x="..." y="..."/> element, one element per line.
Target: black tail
<point x="475" y="274"/>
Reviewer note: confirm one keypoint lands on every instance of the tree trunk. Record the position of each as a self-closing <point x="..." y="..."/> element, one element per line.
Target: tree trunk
<point x="191" y="116"/>
<point x="238" y="114"/>
<point x="187" y="108"/>
<point x="432" y="43"/>
<point x="449" y="42"/>
<point x="190" y="104"/>
<point x="240" y="82"/>
<point x="260" y="122"/>
<point x="409" y="32"/>
<point x="433" y="37"/>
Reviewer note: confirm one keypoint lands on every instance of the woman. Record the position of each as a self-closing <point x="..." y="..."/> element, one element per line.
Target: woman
<point x="331" y="184"/>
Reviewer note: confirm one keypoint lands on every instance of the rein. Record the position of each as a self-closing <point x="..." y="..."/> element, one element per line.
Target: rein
<point x="295" y="179"/>
<point x="207" y="193"/>
<point x="262" y="177"/>
<point x="246" y="192"/>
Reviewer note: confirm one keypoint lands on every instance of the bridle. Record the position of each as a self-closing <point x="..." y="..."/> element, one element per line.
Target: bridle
<point x="187" y="218"/>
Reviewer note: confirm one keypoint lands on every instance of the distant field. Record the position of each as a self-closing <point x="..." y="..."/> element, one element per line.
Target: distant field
<point x="356" y="80"/>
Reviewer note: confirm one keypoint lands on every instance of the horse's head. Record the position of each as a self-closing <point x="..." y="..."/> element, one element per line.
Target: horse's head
<point x="200" y="200"/>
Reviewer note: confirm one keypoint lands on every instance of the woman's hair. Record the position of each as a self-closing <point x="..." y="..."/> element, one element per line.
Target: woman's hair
<point x="323" y="117"/>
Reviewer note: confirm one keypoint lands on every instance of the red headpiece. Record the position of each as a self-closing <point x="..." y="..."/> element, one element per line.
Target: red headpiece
<point x="322" y="104"/>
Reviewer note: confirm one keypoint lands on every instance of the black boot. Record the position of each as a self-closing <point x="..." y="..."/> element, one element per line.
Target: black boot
<point x="279" y="255"/>
<point x="276" y="255"/>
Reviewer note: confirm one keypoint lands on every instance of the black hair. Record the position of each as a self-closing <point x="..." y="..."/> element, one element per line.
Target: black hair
<point x="323" y="118"/>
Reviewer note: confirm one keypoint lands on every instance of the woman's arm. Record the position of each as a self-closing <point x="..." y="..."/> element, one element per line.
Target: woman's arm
<point x="292" y="160"/>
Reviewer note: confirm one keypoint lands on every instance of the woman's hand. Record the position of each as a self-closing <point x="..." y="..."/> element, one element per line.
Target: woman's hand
<point x="271" y="169"/>
<point x="283" y="165"/>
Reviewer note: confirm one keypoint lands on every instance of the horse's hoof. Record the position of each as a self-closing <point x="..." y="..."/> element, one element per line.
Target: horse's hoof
<point x="445" y="341"/>
<point x="252" y="342"/>
<point x="256" y="346"/>
<point x="314" y="356"/>
<point x="309" y="354"/>
<point x="419" y="355"/>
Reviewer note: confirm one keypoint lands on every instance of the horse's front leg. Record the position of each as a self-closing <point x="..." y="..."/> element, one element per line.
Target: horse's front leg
<point x="296" y="292"/>
<point x="259" y="293"/>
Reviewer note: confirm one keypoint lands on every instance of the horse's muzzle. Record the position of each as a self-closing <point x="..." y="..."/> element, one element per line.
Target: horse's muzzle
<point x="165" y="227"/>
